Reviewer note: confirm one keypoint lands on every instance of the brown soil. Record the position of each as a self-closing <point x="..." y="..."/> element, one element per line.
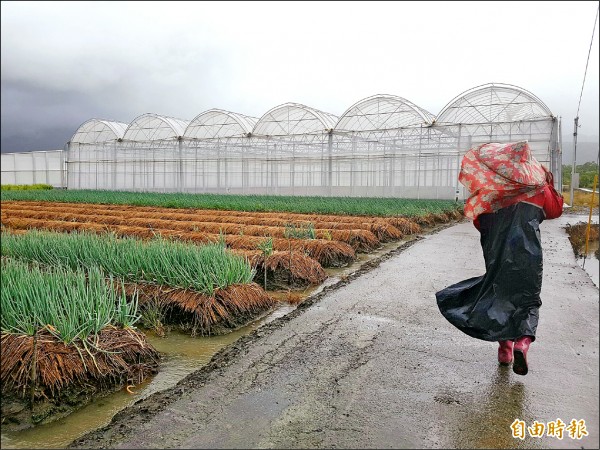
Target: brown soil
<point x="405" y="226"/>
<point x="383" y="231"/>
<point x="190" y="212"/>
<point x="360" y="240"/>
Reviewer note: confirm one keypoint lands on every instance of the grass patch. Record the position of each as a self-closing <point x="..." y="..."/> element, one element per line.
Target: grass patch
<point x="360" y="206"/>
<point x="25" y="187"/>
<point x="581" y="198"/>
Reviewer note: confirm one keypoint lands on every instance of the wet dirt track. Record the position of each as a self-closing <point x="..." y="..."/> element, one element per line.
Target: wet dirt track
<point x="373" y="364"/>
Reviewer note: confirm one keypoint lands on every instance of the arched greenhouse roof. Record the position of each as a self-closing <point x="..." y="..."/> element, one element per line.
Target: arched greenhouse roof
<point x="99" y="130"/>
<point x="493" y="103"/>
<point x="217" y="123"/>
<point x="381" y="112"/>
<point x="152" y="127"/>
<point x="294" y="118"/>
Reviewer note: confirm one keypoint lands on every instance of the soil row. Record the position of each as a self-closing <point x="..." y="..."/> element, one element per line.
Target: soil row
<point x="381" y="228"/>
<point x="285" y="270"/>
<point x="425" y="218"/>
<point x="327" y="253"/>
<point x="360" y="240"/>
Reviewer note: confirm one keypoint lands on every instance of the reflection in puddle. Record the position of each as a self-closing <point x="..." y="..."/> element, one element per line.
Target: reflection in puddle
<point x="488" y="422"/>
<point x="592" y="267"/>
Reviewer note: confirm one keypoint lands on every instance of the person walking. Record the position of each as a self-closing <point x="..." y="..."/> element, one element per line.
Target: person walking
<point x="511" y="193"/>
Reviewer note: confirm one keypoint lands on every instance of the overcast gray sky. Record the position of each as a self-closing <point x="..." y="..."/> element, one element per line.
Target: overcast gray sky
<point x="66" y="62"/>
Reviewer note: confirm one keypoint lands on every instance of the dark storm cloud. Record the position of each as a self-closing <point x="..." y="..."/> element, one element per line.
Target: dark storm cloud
<point x="64" y="63"/>
<point x="37" y="115"/>
<point x="37" y="118"/>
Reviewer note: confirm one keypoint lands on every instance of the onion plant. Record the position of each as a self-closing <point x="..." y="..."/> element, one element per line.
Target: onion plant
<point x="322" y="205"/>
<point x="71" y="304"/>
<point x="175" y="264"/>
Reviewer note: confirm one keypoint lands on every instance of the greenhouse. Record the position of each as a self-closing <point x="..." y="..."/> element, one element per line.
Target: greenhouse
<point x="42" y="167"/>
<point x="381" y="146"/>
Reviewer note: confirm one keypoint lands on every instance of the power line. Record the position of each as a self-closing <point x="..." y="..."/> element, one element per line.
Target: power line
<point x="588" y="60"/>
<point x="574" y="166"/>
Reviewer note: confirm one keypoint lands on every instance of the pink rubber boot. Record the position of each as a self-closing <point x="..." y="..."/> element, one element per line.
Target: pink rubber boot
<point x="505" y="352"/>
<point x="520" y="355"/>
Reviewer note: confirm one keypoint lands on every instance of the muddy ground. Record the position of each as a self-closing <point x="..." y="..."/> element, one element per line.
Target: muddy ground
<point x="371" y="363"/>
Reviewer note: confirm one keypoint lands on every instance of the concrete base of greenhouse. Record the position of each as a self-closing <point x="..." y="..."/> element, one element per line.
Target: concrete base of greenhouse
<point x="371" y="363"/>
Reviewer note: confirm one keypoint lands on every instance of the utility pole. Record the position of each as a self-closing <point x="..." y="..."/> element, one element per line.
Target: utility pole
<point x="574" y="157"/>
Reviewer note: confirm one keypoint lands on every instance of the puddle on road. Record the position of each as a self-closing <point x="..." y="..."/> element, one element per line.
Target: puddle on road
<point x="591" y="265"/>
<point x="588" y="261"/>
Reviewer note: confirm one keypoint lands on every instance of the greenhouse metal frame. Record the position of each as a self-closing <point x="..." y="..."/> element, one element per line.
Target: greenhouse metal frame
<point x="382" y="146"/>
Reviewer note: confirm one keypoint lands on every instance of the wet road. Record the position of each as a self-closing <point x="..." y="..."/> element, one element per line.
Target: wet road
<point x="373" y="364"/>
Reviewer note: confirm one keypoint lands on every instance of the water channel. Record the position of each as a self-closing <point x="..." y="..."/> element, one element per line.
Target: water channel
<point x="590" y="263"/>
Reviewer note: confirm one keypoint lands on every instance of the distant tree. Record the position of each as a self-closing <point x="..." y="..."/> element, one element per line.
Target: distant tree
<point x="586" y="174"/>
<point x="566" y="174"/>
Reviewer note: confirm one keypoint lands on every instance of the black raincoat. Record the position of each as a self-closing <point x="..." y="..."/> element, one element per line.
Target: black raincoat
<point x="502" y="304"/>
